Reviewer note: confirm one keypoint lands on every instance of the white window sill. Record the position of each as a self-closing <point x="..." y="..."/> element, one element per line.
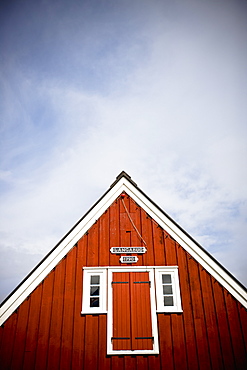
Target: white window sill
<point x="93" y="313"/>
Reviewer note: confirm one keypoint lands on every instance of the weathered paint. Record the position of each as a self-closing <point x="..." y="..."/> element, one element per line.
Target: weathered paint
<point x="47" y="331"/>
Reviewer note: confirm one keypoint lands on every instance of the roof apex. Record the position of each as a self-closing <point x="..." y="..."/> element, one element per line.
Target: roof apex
<point x="123" y="174"/>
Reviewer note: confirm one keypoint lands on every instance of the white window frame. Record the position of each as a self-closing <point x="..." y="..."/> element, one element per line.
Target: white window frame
<point x="155" y="349"/>
<point x="173" y="271"/>
<point x="87" y="273"/>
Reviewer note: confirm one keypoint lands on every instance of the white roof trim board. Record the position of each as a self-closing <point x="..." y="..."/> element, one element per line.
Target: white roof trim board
<point x="122" y="184"/>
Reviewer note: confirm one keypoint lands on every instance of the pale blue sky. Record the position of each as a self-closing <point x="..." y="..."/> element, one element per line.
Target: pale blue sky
<point x="90" y="88"/>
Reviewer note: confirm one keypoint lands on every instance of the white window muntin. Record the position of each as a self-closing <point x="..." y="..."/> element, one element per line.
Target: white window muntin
<point x="173" y="272"/>
<point x="88" y="284"/>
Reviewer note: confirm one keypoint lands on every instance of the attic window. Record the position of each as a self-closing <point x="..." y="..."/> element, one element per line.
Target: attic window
<point x="94" y="291"/>
<point x="167" y="290"/>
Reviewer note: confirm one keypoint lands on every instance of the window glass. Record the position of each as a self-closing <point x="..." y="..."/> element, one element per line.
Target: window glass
<point x="94" y="291"/>
<point x="95" y="279"/>
<point x="94" y="302"/>
<point x="167" y="289"/>
<point x="168" y="301"/>
<point x="166" y="279"/>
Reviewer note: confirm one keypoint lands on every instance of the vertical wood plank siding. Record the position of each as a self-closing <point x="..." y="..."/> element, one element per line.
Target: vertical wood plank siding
<point x="47" y="331"/>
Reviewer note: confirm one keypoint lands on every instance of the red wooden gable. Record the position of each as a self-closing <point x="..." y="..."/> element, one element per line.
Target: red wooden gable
<point x="48" y="331"/>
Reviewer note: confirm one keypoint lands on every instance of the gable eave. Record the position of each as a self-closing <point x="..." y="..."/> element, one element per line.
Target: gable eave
<point x="123" y="183"/>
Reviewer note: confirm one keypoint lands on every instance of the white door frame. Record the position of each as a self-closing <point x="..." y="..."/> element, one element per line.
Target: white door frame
<point x="155" y="349"/>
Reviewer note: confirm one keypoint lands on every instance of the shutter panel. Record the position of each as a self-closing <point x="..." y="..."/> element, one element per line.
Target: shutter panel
<point x="132" y="327"/>
<point x="121" y="311"/>
<point x="141" y="311"/>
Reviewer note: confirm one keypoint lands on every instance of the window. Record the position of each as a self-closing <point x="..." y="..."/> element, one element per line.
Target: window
<point x="167" y="290"/>
<point x="94" y="291"/>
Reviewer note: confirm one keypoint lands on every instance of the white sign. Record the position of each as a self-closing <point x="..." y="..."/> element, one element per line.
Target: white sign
<point x="117" y="250"/>
<point x="128" y="259"/>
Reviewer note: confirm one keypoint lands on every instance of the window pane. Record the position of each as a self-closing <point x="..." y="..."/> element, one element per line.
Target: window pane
<point x="94" y="302"/>
<point x="166" y="279"/>
<point x="167" y="289"/>
<point x="95" y="279"/>
<point x="94" y="290"/>
<point x="168" y="301"/>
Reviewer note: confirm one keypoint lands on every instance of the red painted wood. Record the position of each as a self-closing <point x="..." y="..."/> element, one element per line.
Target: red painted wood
<point x="199" y="316"/>
<point x="20" y="335"/>
<point x="131" y="311"/>
<point x="170" y="251"/>
<point x="44" y="324"/>
<point x="211" y="321"/>
<point x="188" y="319"/>
<point x="243" y="319"/>
<point x="114" y="232"/>
<point x="239" y="350"/>
<point x="158" y="244"/>
<point x="91" y="353"/>
<point x="178" y="342"/>
<point x="125" y="230"/>
<point x="68" y="311"/>
<point x="121" y="311"/>
<point x="78" y="319"/>
<point x="93" y="245"/>
<point x="1" y="336"/>
<point x="135" y="237"/>
<point x="32" y="328"/>
<point x="223" y="326"/>
<point x="141" y="325"/>
<point x="54" y="349"/>
<point x="134" y="211"/>
<point x="6" y="352"/>
<point x="147" y="233"/>
<point x="165" y="341"/>
<point x="117" y="362"/>
<point x="130" y="362"/>
<point x="104" y="239"/>
<point x="142" y="362"/>
<point x="104" y="362"/>
<point x="154" y="362"/>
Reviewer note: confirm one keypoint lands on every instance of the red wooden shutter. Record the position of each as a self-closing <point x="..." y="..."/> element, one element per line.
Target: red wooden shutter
<point x="132" y="326"/>
<point x="121" y="311"/>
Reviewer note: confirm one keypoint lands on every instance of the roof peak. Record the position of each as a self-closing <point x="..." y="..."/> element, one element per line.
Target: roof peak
<point x="123" y="174"/>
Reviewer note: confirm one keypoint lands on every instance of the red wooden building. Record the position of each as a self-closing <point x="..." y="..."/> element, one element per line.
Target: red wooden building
<point x="126" y="288"/>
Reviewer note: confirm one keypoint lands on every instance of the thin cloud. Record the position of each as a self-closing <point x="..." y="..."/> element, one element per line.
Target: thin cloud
<point x="154" y="91"/>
